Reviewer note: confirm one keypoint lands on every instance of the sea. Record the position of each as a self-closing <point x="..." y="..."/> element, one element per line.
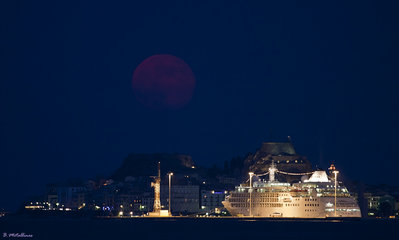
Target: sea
<point x="195" y="228"/>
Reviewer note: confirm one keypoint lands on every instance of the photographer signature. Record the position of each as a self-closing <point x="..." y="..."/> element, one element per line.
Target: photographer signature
<point x="17" y="235"/>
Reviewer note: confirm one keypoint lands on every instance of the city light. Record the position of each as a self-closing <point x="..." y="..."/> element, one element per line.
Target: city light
<point x="250" y="193"/>
<point x="335" y="191"/>
<point x="170" y="185"/>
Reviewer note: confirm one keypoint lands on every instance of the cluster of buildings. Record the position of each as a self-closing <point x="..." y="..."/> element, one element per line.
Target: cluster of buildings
<point x="192" y="190"/>
<point x="112" y="198"/>
<point x="381" y="201"/>
<point x="129" y="191"/>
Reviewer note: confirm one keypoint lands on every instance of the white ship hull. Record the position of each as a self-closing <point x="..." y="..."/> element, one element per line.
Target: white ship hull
<point x="300" y="200"/>
<point x="302" y="207"/>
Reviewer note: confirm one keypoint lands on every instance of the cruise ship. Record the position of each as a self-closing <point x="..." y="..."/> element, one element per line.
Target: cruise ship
<point x="319" y="196"/>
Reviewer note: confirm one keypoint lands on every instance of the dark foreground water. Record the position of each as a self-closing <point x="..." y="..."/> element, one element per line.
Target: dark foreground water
<point x="199" y="228"/>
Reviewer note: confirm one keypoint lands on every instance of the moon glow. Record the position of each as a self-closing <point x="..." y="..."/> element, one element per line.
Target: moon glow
<point x="163" y="82"/>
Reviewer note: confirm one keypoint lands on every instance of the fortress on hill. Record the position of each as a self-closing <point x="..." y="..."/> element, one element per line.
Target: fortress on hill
<point x="284" y="156"/>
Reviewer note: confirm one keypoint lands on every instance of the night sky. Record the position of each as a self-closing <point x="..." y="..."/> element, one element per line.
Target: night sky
<point x="325" y="74"/>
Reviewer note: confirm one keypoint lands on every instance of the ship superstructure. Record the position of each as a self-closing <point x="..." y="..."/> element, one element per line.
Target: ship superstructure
<point x="320" y="196"/>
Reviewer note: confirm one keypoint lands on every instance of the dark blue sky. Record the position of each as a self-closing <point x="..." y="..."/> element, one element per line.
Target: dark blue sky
<point x="324" y="73"/>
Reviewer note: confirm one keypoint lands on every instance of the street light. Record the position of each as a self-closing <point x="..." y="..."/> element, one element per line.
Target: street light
<point x="335" y="192"/>
<point x="250" y="192"/>
<point x="170" y="182"/>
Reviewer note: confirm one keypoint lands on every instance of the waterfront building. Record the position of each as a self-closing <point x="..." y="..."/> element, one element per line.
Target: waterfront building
<point x="211" y="200"/>
<point x="147" y="202"/>
<point x="185" y="199"/>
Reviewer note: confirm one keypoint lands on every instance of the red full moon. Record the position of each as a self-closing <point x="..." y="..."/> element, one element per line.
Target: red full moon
<point x="163" y="82"/>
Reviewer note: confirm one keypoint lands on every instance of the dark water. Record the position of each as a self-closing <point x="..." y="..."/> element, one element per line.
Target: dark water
<point x="200" y="228"/>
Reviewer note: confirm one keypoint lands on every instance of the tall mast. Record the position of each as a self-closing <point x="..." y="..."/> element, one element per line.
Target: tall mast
<point x="159" y="169"/>
<point x="272" y="171"/>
